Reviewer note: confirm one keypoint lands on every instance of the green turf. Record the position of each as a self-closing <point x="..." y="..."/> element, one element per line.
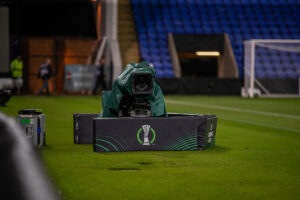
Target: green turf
<point x="257" y="153"/>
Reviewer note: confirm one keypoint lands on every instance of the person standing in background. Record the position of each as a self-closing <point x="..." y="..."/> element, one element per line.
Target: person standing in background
<point x="100" y="78"/>
<point x="45" y="74"/>
<point x="16" y="68"/>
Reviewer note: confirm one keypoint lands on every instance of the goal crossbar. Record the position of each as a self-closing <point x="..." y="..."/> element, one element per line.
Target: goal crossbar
<point x="250" y="80"/>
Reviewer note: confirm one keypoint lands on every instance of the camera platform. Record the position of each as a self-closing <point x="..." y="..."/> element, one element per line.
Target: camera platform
<point x="134" y="118"/>
<point x="173" y="133"/>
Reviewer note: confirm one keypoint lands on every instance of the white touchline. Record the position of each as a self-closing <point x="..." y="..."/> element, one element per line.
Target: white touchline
<point x="261" y="124"/>
<point x="232" y="109"/>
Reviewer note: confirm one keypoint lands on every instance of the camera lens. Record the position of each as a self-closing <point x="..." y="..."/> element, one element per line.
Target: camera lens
<point x="142" y="83"/>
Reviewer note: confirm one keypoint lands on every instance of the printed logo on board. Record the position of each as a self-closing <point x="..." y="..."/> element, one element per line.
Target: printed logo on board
<point x="210" y="134"/>
<point x="148" y="133"/>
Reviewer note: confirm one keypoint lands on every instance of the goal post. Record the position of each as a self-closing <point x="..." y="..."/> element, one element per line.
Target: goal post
<point x="271" y="68"/>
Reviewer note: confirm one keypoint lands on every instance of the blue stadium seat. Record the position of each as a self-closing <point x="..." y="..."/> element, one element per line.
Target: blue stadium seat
<point x="271" y="74"/>
<point x="242" y="20"/>
<point x="291" y="74"/>
<point x="260" y="73"/>
<point x="281" y="74"/>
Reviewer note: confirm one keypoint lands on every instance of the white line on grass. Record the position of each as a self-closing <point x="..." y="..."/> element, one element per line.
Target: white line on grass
<point x="232" y="109"/>
<point x="261" y="124"/>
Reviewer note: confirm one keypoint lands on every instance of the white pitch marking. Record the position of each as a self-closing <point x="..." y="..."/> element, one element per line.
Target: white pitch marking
<point x="233" y="109"/>
<point x="261" y="124"/>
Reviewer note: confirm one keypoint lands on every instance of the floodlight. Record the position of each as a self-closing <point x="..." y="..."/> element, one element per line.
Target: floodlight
<point x="207" y="53"/>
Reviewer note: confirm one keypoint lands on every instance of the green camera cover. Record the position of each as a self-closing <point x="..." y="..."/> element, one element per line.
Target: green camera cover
<point x="123" y="86"/>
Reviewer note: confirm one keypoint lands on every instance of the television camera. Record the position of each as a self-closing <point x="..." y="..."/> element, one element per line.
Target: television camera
<point x="138" y="104"/>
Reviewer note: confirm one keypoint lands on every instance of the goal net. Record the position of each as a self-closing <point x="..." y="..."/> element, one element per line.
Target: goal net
<point x="271" y="68"/>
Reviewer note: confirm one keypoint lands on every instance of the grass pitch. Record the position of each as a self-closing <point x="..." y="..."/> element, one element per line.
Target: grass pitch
<point x="257" y="153"/>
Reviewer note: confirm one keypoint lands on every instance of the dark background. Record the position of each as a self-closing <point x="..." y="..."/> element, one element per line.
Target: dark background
<point x="198" y="66"/>
<point x="190" y="43"/>
<point x="51" y="18"/>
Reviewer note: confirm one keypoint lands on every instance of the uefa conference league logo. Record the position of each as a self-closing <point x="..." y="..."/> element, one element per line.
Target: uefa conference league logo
<point x="146" y="129"/>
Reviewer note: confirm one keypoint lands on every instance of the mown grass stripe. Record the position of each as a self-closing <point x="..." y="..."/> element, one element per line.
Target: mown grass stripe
<point x="261" y="124"/>
<point x="272" y="114"/>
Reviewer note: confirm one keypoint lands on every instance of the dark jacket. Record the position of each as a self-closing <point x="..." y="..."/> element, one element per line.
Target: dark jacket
<point x="100" y="72"/>
<point x="45" y="71"/>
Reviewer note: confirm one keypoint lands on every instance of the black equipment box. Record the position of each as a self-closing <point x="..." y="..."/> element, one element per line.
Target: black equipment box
<point x="176" y="132"/>
<point x="173" y="133"/>
<point x="33" y="122"/>
<point x="83" y="128"/>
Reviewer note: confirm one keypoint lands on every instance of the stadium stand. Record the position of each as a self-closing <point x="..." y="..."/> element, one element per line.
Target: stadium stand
<point x="240" y="19"/>
<point x="277" y="64"/>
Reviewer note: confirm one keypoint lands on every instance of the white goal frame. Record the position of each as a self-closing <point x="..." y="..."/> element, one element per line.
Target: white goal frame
<point x="250" y="80"/>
